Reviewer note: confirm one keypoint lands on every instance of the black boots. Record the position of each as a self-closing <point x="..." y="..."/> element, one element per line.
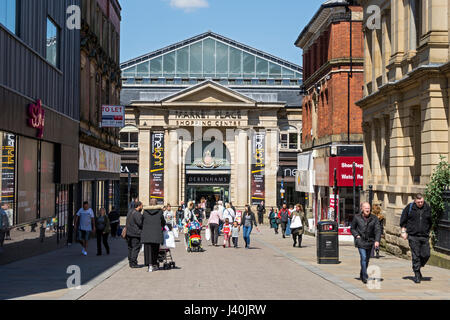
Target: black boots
<point x="417" y="277"/>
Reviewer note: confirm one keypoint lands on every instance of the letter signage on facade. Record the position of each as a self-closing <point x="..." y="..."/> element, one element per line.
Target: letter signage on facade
<point x="344" y="171"/>
<point x="37" y="117"/>
<point x="258" y="167"/>
<point x="157" y="167"/>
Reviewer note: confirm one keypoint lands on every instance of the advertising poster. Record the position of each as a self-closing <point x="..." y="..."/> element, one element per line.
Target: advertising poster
<point x="258" y="168"/>
<point x="157" y="167"/>
<point x="7" y="168"/>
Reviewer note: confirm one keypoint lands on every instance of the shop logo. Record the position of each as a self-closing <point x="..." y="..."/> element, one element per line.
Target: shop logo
<point x="37" y="117"/>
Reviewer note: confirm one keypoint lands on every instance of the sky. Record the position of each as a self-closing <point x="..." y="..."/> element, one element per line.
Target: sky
<point x="268" y="25"/>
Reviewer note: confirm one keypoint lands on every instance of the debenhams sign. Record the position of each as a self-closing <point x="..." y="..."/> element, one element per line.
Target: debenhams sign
<point x="207" y="118"/>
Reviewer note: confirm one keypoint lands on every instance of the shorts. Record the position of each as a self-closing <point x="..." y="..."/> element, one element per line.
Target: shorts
<point x="83" y="235"/>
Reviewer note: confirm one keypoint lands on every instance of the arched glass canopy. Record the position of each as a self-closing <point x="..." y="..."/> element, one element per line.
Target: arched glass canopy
<point x="210" y="58"/>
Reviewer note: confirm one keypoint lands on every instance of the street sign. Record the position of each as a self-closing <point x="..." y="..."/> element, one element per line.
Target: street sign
<point x="113" y="117"/>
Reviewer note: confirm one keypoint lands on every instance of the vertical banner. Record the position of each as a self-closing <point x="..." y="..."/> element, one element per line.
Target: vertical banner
<point x="157" y="167"/>
<point x="8" y="168"/>
<point x="258" y="168"/>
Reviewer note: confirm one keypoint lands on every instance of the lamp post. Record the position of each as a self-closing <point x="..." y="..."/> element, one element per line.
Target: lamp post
<point x="335" y="190"/>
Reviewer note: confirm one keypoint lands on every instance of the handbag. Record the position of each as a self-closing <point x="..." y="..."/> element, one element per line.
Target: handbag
<point x="169" y="240"/>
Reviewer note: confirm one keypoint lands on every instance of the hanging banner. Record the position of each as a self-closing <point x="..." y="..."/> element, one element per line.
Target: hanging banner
<point x="8" y="168"/>
<point x="258" y="167"/>
<point x="157" y="167"/>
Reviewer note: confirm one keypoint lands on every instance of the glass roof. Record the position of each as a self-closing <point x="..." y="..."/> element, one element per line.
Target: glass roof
<point x="210" y="58"/>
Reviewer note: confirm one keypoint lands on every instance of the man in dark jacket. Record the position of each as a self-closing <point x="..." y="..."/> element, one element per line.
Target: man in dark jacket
<point x="261" y="211"/>
<point x="152" y="236"/>
<point x="134" y="231"/>
<point x="114" y="220"/>
<point x="416" y="224"/>
<point x="367" y="232"/>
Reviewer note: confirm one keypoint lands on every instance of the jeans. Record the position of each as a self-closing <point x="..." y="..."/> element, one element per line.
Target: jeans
<point x="102" y="236"/>
<point x="284" y="227"/>
<point x="134" y="246"/>
<point x="365" y="257"/>
<point x="235" y="241"/>
<point x="151" y="251"/>
<point x="420" y="251"/>
<point x="214" y="227"/>
<point x="247" y="232"/>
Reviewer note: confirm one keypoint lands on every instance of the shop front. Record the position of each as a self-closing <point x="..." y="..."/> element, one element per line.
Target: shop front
<point x="99" y="177"/>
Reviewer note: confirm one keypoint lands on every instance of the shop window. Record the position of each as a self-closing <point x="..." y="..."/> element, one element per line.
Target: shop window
<point x="27" y="170"/>
<point x="8" y="14"/>
<point x="8" y="173"/>
<point x="47" y="195"/>
<point x="52" y="43"/>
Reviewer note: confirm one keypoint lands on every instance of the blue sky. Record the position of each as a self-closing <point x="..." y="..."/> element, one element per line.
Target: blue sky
<point x="268" y="25"/>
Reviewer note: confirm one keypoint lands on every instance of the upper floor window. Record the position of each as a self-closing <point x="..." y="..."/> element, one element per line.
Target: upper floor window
<point x="52" y="43"/>
<point x="289" y="138"/>
<point x="129" y="137"/>
<point x="8" y="14"/>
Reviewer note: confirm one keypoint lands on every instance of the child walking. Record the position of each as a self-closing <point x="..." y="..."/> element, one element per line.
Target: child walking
<point x="226" y="233"/>
<point x="235" y="233"/>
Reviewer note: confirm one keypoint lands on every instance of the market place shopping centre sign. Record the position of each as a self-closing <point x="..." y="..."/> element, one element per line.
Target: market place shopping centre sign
<point x="208" y="118"/>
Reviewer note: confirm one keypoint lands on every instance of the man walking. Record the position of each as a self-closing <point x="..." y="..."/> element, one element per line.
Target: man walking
<point x="4" y="223"/>
<point x="134" y="230"/>
<point x="283" y="215"/>
<point x="84" y="225"/>
<point x="416" y="224"/>
<point x="367" y="233"/>
<point x="114" y="220"/>
<point x="261" y="212"/>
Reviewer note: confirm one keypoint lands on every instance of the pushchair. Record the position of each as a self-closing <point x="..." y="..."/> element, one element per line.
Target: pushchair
<point x="195" y="238"/>
<point x="165" y="258"/>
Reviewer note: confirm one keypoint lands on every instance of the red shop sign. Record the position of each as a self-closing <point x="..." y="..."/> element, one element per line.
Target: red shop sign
<point x="36" y="118"/>
<point x="344" y="171"/>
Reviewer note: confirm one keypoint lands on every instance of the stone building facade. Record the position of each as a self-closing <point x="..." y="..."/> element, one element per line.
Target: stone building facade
<point x="405" y="105"/>
<point x="100" y="85"/>
<point x="332" y="44"/>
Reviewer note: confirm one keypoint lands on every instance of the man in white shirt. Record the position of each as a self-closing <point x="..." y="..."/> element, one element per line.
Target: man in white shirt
<point x="84" y="225"/>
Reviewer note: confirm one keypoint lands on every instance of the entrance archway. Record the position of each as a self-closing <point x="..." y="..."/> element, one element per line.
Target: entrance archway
<point x="208" y="173"/>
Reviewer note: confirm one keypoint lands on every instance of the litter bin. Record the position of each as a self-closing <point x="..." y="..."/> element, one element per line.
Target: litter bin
<point x="327" y="242"/>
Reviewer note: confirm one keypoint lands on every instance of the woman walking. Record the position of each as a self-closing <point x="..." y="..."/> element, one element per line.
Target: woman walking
<point x="213" y="222"/>
<point x="103" y="228"/>
<point x="298" y="224"/>
<point x="376" y="210"/>
<point x="248" y="220"/>
<point x="273" y="220"/>
<point x="152" y="235"/>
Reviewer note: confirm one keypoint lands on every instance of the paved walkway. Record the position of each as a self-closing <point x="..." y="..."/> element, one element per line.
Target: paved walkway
<point x="272" y="270"/>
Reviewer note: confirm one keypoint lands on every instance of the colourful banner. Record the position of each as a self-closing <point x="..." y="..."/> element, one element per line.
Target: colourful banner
<point x="157" y="167"/>
<point x="258" y="168"/>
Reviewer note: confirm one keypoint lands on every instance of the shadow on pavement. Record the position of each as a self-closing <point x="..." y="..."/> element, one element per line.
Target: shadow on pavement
<point x="48" y="272"/>
<point x="412" y="278"/>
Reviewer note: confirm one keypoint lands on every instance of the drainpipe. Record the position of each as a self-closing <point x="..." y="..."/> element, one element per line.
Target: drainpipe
<point x="350" y="75"/>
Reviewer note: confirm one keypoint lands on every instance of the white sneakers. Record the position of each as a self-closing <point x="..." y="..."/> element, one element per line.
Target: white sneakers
<point x="150" y="269"/>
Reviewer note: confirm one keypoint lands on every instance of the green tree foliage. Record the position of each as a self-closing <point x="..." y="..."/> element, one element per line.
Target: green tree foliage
<point x="433" y="192"/>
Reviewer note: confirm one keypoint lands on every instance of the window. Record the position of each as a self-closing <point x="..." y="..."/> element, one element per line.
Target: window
<point x="8" y="14"/>
<point x="129" y="138"/>
<point x="27" y="180"/>
<point x="52" y="42"/>
<point x="289" y="138"/>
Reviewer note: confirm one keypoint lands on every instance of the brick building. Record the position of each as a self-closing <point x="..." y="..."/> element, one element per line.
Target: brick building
<point x="332" y="44"/>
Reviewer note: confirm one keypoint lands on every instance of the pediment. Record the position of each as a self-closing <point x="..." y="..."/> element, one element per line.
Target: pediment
<point x="209" y="92"/>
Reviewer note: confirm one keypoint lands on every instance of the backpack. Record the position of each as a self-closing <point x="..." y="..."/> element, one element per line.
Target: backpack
<point x="410" y="208"/>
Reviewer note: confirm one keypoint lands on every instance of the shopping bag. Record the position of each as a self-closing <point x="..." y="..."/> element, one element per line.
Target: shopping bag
<point x="175" y="232"/>
<point x="169" y="240"/>
<point x="208" y="234"/>
<point x="288" y="228"/>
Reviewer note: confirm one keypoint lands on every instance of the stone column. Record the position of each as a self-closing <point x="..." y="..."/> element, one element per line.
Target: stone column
<point x="271" y="167"/>
<point x="144" y="166"/>
<point x="172" y="161"/>
<point x="241" y="169"/>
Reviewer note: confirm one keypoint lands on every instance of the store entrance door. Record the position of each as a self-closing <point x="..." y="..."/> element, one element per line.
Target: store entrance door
<point x="212" y="194"/>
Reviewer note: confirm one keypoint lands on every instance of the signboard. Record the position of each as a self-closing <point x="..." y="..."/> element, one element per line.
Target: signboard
<point x="7" y="168"/>
<point x="344" y="171"/>
<point x="208" y="118"/>
<point x="304" y="181"/>
<point x="208" y="179"/>
<point x="287" y="171"/>
<point x="36" y="118"/>
<point x="113" y="117"/>
<point x="157" y="167"/>
<point x="94" y="159"/>
<point x="258" y="167"/>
